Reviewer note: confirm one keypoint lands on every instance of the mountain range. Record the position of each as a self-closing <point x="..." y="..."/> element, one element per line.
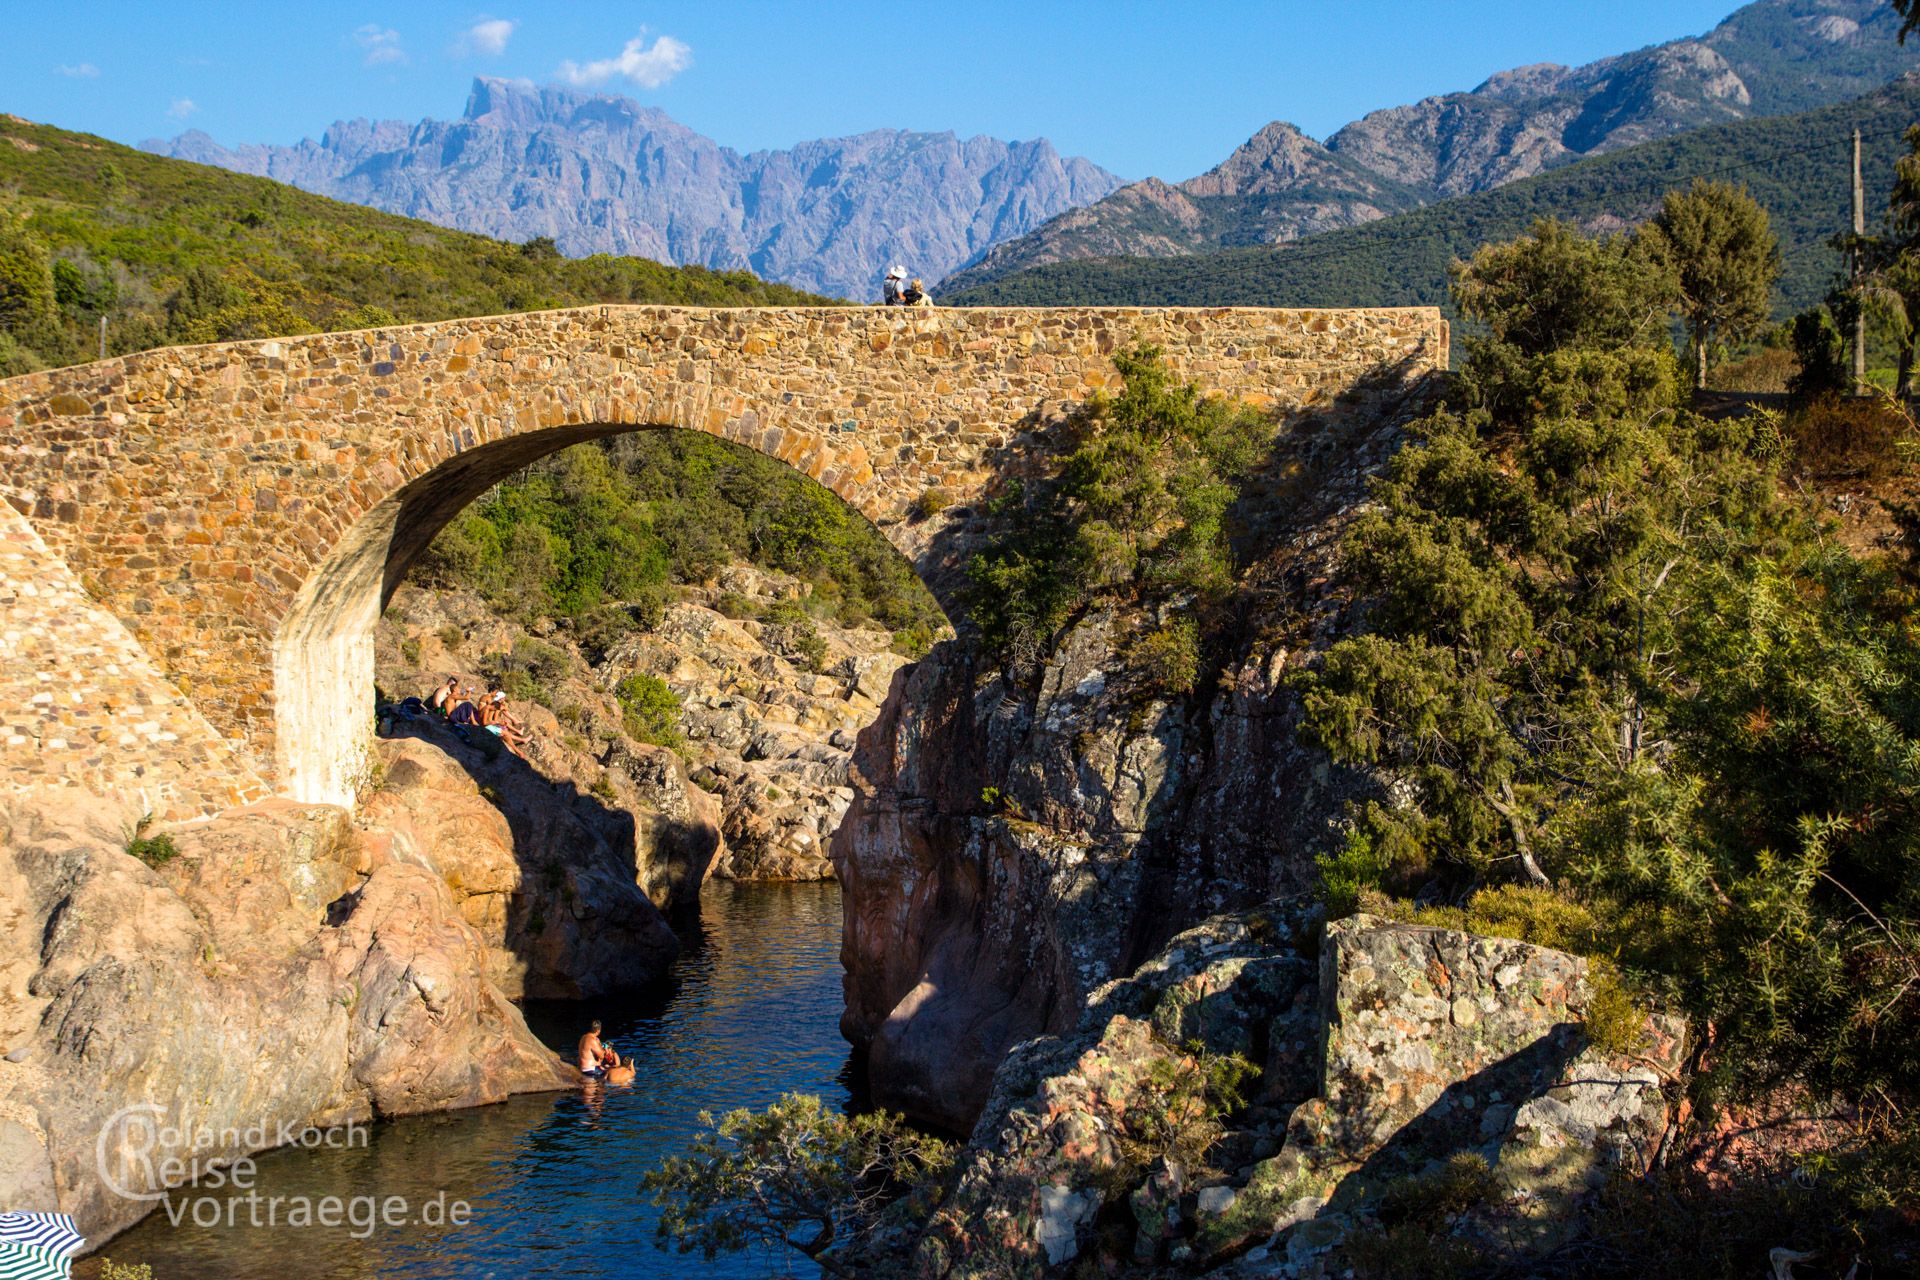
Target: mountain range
<point x="600" y="173"/>
<point x="1773" y="57"/>
<point x="1797" y="167"/>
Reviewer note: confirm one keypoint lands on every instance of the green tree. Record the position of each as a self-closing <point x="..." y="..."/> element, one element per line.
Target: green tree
<point x="1716" y="239"/>
<point x="1554" y="289"/>
<point x="28" y="309"/>
<point x="1601" y="651"/>
<point x="796" y="1176"/>
<point x="1136" y="510"/>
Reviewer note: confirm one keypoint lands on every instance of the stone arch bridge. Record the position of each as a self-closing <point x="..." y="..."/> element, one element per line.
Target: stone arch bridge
<point x="196" y="542"/>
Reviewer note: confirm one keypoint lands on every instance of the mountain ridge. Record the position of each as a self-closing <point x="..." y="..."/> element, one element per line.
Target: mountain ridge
<point x="1402" y="260"/>
<point x="1772" y="57"/>
<point x="599" y="172"/>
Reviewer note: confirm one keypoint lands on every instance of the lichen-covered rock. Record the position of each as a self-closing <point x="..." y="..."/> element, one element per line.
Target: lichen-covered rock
<point x="769" y="731"/>
<point x="766" y="738"/>
<point x="1439" y="1043"/>
<point x="1389" y="1051"/>
<point x="1077" y="1123"/>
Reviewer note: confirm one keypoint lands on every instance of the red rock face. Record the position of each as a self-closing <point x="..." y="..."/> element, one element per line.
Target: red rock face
<point x="947" y="964"/>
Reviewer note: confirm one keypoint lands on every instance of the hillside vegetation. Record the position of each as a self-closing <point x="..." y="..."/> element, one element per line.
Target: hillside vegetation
<point x="169" y="252"/>
<point x="1796" y="166"/>
<point x="598" y="536"/>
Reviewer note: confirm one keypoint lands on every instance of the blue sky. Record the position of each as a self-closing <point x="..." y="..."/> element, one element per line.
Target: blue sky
<point x="1165" y="89"/>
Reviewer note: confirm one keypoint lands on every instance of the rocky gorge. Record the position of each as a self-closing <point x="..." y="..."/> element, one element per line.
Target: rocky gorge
<point x="282" y="966"/>
<point x="1080" y="915"/>
<point x="1025" y="832"/>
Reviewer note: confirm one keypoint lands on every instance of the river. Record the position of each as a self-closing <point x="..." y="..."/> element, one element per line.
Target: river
<point x="552" y="1180"/>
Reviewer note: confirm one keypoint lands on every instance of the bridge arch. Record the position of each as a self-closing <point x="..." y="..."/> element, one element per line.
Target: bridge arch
<point x="244" y="509"/>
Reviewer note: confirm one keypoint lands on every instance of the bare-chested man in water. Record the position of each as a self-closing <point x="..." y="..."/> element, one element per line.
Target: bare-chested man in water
<point x="594" y="1058"/>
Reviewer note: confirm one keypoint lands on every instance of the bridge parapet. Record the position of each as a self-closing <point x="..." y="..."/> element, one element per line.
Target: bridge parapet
<point x="246" y="508"/>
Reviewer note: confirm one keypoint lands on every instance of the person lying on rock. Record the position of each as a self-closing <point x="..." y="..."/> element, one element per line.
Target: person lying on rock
<point x="593" y="1057"/>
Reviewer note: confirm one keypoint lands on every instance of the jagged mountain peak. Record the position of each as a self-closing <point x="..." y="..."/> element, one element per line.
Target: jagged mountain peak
<point x="1271" y="160"/>
<point x="599" y="172"/>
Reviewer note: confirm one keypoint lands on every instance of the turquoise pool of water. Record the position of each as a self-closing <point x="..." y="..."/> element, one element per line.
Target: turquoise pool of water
<point x="552" y="1180"/>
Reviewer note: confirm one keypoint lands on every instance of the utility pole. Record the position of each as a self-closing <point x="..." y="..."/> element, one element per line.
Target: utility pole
<point x="1859" y="312"/>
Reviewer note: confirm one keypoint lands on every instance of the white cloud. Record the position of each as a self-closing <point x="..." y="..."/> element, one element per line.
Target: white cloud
<point x="381" y="43"/>
<point x="181" y="108"/>
<point x="79" y="71"/>
<point x="488" y="36"/>
<point x="648" y="66"/>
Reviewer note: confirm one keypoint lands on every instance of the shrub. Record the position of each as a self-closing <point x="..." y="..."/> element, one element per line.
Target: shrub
<point x="931" y="503"/>
<point x="410" y="650"/>
<point x="1770" y="370"/>
<point x="1849" y="436"/>
<point x="1135" y="510"/>
<point x="650" y="710"/>
<point x="914" y="642"/>
<point x="1167" y="659"/>
<point x="792" y="632"/>
<point x="1466" y="1181"/>
<point x="1409" y="1252"/>
<point x="731" y="604"/>
<point x="1612" y="1021"/>
<point x="1186" y="1097"/>
<point x="603" y="789"/>
<point x="154" y="850"/>
<point x="796" y="1176"/>
<point x="1820" y="354"/>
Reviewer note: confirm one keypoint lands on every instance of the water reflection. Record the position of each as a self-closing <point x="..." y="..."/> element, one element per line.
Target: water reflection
<point x="551" y="1180"/>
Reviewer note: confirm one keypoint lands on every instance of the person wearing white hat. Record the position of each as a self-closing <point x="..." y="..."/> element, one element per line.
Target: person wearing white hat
<point x="890" y="291"/>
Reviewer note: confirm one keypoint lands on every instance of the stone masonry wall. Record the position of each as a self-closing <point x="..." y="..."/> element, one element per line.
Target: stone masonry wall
<point x="246" y="507"/>
<point x="82" y="707"/>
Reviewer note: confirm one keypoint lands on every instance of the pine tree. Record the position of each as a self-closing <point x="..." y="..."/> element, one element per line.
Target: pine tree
<point x="1723" y="253"/>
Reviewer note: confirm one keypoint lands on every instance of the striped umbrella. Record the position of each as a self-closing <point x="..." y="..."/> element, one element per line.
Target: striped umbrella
<point x="30" y="1262"/>
<point x="37" y="1246"/>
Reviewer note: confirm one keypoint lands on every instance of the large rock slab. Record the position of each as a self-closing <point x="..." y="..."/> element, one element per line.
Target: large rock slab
<point x="1384" y="1052"/>
<point x="555" y="882"/>
<point x="284" y="969"/>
